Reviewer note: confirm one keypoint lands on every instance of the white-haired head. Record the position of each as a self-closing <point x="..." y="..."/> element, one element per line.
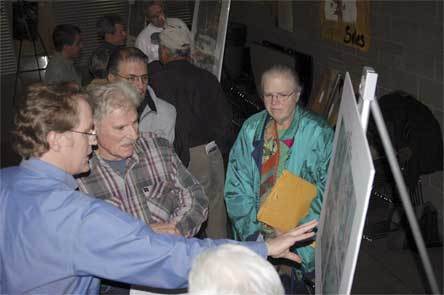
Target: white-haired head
<point x="235" y="270"/>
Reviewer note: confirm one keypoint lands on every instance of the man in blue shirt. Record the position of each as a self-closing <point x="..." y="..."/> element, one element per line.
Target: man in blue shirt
<point x="57" y="240"/>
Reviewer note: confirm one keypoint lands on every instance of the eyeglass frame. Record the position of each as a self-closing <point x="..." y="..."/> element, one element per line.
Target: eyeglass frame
<point x="90" y="134"/>
<point x="280" y="96"/>
<point x="132" y="78"/>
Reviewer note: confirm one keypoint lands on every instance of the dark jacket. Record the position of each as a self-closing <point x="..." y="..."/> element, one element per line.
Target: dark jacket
<point x="203" y="112"/>
<point x="411" y="125"/>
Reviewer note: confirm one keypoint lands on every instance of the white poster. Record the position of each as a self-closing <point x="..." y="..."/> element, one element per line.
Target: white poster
<point x="209" y="29"/>
<point x="346" y="197"/>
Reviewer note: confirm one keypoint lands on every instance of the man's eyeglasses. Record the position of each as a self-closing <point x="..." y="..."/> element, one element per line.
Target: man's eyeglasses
<point x="90" y="134"/>
<point x="135" y="78"/>
<point x="282" y="97"/>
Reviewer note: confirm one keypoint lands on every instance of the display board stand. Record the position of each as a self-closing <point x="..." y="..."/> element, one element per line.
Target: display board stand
<point x="399" y="180"/>
<point x="346" y="198"/>
<point x="348" y="189"/>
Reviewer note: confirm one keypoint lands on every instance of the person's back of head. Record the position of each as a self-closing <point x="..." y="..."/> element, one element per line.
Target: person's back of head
<point x="98" y="63"/>
<point x="233" y="269"/>
<point x="174" y="41"/>
<point x="45" y="108"/>
<point x="65" y="35"/>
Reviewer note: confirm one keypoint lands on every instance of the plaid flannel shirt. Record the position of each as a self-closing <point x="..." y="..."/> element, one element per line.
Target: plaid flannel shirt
<point x="156" y="187"/>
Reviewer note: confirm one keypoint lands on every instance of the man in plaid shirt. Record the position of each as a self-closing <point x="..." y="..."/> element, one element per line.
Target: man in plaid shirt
<point x="140" y="174"/>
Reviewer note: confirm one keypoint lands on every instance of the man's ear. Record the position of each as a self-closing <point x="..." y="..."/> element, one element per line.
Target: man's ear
<point x="54" y="140"/>
<point x="111" y="77"/>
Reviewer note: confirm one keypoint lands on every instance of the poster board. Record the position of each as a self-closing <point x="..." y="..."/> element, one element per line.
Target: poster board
<point x="208" y="33"/>
<point x="346" y="22"/>
<point x="346" y="197"/>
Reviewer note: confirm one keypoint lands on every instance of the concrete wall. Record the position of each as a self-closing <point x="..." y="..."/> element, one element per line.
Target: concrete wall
<point x="406" y="51"/>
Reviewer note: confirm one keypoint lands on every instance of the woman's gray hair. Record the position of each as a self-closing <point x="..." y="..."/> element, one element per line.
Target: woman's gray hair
<point x="233" y="269"/>
<point x="282" y="70"/>
<point x="112" y="96"/>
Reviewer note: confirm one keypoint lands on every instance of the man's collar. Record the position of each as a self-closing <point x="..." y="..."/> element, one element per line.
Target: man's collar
<point x="97" y="160"/>
<point x="50" y="171"/>
<point x="148" y="101"/>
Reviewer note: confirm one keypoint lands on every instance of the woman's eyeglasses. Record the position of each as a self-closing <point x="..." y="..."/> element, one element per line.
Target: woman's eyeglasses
<point x="281" y="97"/>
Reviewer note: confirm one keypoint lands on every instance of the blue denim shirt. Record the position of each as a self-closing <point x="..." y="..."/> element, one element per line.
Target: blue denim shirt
<point x="57" y="240"/>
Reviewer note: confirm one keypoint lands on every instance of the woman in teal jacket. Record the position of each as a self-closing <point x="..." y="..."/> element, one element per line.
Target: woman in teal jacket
<point x="284" y="136"/>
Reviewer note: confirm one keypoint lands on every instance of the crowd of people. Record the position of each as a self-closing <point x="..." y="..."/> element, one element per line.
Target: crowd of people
<point x="122" y="181"/>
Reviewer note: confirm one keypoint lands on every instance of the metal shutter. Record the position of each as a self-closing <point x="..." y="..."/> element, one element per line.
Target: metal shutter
<point x="84" y="14"/>
<point x="180" y="9"/>
<point x="7" y="59"/>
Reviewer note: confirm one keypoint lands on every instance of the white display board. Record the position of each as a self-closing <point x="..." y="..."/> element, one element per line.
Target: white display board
<point x="346" y="198"/>
<point x="209" y="30"/>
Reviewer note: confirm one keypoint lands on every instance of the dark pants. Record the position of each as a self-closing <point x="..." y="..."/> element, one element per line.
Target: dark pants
<point x="293" y="285"/>
<point x="208" y="168"/>
<point x="114" y="288"/>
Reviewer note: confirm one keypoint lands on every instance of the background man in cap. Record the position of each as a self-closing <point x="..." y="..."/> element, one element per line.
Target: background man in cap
<point x="203" y="122"/>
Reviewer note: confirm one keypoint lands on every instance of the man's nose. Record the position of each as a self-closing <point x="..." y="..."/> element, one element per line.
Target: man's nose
<point x="139" y="84"/>
<point x="133" y="132"/>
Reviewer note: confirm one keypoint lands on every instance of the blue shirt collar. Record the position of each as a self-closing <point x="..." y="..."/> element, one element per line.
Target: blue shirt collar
<point x="49" y="171"/>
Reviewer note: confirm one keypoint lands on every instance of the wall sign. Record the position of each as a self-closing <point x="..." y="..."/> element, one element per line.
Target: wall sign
<point x="346" y="22"/>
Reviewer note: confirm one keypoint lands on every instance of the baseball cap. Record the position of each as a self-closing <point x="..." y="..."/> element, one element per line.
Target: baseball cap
<point x="176" y="34"/>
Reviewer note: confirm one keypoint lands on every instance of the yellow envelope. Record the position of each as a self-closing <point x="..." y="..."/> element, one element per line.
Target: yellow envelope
<point x="288" y="202"/>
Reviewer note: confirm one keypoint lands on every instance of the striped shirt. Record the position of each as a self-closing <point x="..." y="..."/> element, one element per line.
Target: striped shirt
<point x="155" y="188"/>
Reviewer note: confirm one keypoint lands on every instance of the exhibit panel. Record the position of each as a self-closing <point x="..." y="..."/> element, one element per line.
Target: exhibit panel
<point x="346" y="200"/>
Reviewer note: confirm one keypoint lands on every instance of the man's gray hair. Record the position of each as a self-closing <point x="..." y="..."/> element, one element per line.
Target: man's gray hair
<point x="233" y="269"/>
<point x="112" y="96"/>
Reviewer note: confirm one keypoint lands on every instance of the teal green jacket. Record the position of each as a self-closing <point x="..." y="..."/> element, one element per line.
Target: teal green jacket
<point x="309" y="159"/>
